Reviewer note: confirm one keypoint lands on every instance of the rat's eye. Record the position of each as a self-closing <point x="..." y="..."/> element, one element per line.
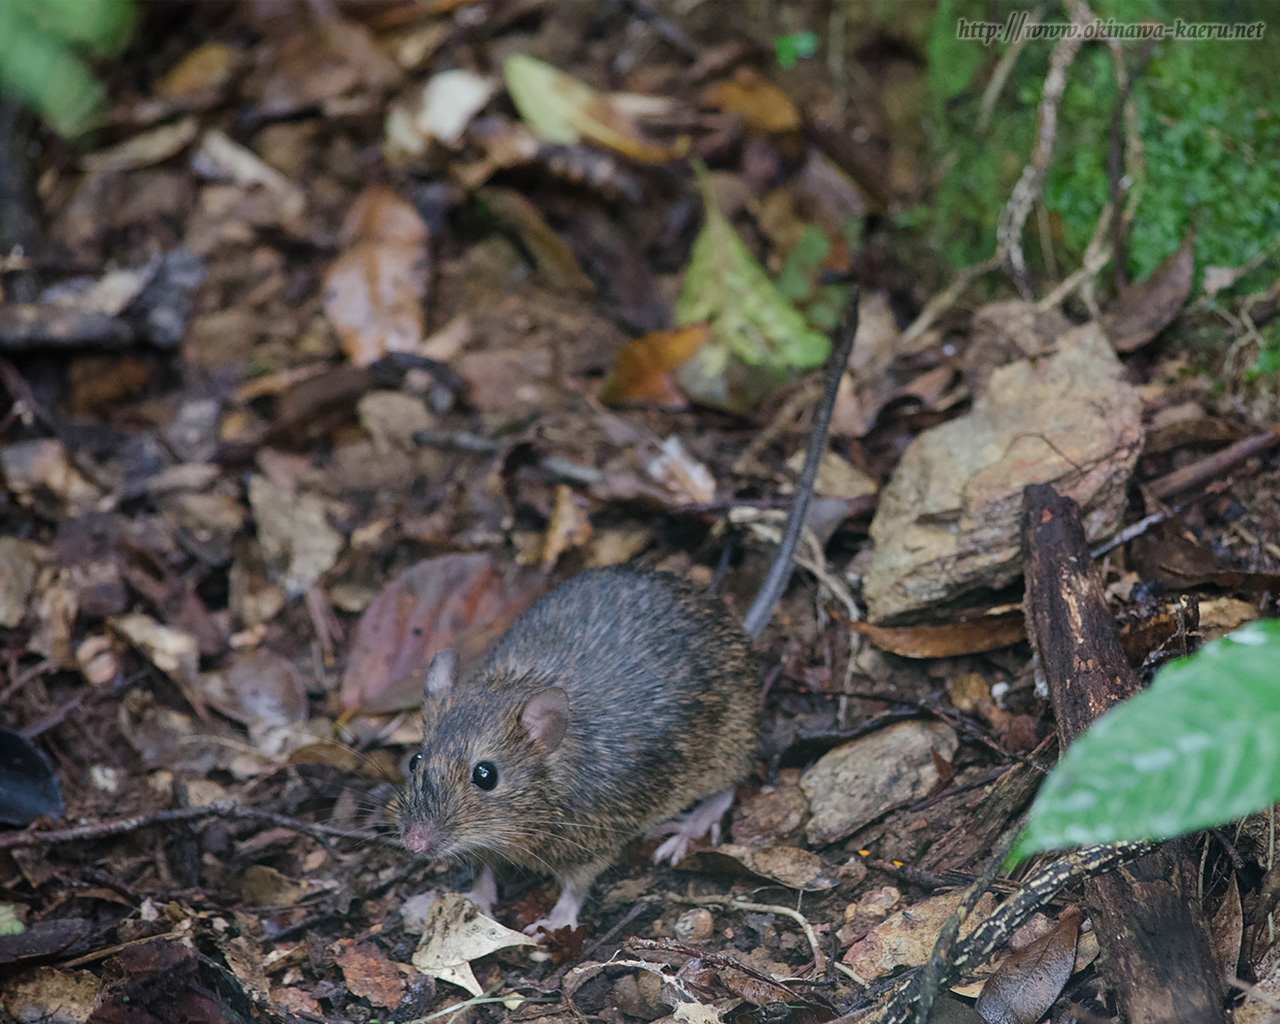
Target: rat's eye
<point x="414" y="762"/>
<point x="485" y="774"/>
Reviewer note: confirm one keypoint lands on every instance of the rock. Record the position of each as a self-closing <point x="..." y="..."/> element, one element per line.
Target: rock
<point x="856" y="783"/>
<point x="948" y="521"/>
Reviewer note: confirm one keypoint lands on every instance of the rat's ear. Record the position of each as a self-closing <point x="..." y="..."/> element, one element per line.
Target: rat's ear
<point x="546" y="717"/>
<point x="438" y="679"/>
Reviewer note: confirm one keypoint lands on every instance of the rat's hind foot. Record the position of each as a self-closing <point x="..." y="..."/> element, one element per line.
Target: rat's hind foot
<point x="685" y="828"/>
<point x="563" y="914"/>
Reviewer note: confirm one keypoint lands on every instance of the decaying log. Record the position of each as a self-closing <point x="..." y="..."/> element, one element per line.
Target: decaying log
<point x="1150" y="924"/>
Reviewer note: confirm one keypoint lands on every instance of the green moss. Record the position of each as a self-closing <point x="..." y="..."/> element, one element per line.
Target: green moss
<point x="1209" y="116"/>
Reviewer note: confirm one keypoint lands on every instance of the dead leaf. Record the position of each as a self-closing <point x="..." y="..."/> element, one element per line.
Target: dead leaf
<point x="263" y="886"/>
<point x="440" y="110"/>
<point x="1031" y="979"/>
<point x="684" y="476"/>
<point x="907" y="938"/>
<point x="456" y="934"/>
<point x="148" y="148"/>
<point x="788" y="865"/>
<point x="552" y="258"/>
<point x="294" y="532"/>
<point x="206" y="69"/>
<point x="49" y="994"/>
<point x="20" y="562"/>
<point x="1226" y="930"/>
<point x="569" y="526"/>
<point x="642" y="373"/>
<point x="220" y="154"/>
<point x="371" y="975"/>
<point x="459" y="601"/>
<point x="1146" y="309"/>
<point x="374" y="290"/>
<point x="560" y="108"/>
<point x="765" y="107"/>
<point x="259" y="689"/>
<point x="947" y="641"/>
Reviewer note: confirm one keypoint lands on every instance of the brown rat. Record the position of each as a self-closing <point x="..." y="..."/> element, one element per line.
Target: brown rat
<point x="615" y="701"/>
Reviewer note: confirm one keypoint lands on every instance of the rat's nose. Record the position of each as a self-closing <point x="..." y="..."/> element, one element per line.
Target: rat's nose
<point x="420" y="837"/>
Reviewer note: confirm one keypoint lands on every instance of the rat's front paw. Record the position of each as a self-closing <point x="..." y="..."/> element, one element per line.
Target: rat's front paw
<point x="563" y="915"/>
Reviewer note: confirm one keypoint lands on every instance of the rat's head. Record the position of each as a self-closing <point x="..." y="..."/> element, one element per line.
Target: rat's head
<point x="480" y="781"/>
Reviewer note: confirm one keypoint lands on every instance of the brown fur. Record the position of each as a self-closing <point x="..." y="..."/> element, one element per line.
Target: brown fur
<point x="662" y="693"/>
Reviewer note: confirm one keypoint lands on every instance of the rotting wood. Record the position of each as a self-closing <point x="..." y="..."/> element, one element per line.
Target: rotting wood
<point x="1156" y="940"/>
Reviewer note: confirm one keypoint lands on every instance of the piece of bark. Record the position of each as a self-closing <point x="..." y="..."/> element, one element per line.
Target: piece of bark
<point x="1149" y="922"/>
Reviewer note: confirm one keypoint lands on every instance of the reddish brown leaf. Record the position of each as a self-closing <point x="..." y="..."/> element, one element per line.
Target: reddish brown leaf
<point x="641" y="374"/>
<point x="1146" y="309"/>
<point x="766" y="107"/>
<point x="370" y="975"/>
<point x="459" y="601"/>
<point x="972" y="637"/>
<point x="1027" y="983"/>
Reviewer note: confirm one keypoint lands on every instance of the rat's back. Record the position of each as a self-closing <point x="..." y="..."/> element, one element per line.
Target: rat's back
<point x="661" y="684"/>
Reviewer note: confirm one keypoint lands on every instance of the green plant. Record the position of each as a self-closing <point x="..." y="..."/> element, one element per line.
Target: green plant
<point x="1199" y="747"/>
<point x="1208" y="117"/>
<point x="43" y="45"/>
<point x="793" y="48"/>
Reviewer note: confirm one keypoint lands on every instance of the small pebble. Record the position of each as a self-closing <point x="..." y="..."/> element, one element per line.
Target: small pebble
<point x="695" y="925"/>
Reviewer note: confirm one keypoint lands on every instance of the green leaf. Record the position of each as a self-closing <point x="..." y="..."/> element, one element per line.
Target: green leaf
<point x="757" y="340"/>
<point x="38" y="62"/>
<point x="795" y="47"/>
<point x="1199" y="747"/>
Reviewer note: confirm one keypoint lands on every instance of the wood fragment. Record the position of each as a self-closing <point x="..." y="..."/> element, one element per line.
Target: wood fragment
<point x="1149" y="921"/>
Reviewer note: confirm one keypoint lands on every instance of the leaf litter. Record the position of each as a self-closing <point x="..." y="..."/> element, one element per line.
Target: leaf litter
<point x="413" y="311"/>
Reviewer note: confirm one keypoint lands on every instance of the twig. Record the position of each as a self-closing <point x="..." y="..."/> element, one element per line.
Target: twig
<point x="1003" y="68"/>
<point x="729" y="902"/>
<point x="946" y="298"/>
<point x="1014" y="215"/>
<point x="121" y="826"/>
<point x="1213" y="466"/>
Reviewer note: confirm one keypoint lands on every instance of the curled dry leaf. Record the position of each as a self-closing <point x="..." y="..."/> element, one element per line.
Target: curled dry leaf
<point x="560" y="108"/>
<point x="1031" y="979"/>
<point x="788" y="865"/>
<point x="374" y="290"/>
<point x="552" y="258"/>
<point x="569" y="526"/>
<point x="456" y="934"/>
<point x="441" y="110"/>
<point x="947" y="641"/>
<point x="683" y="475"/>
<point x="371" y="975"/>
<point x="460" y="601"/>
<point x="642" y="373"/>
<point x="219" y="154"/>
<point x="765" y="107"/>
<point x="1146" y="309"/>
<point x="150" y="147"/>
<point x="294" y="531"/>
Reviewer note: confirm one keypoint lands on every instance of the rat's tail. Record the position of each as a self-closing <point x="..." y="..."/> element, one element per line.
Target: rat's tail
<point x="779" y="574"/>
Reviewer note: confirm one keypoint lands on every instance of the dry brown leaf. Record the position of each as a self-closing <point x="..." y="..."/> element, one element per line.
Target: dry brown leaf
<point x="644" y="364"/>
<point x="1031" y="979"/>
<point x="788" y="865"/>
<point x="552" y="258"/>
<point x="370" y="974"/>
<point x="765" y="107"/>
<point x="459" y="601"/>
<point x="374" y="290"/>
<point x="1146" y="309"/>
<point x="948" y="641"/>
<point x="569" y="526"/>
<point x="1226" y="930"/>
